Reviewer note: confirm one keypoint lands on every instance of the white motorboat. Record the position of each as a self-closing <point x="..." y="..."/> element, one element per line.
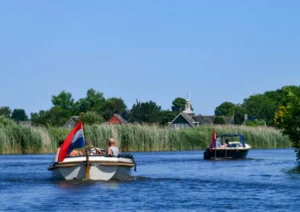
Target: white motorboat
<point x="94" y="165"/>
<point x="101" y="167"/>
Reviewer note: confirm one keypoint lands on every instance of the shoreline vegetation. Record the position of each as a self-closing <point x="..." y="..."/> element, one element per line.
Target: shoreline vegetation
<point x="277" y="109"/>
<point x="16" y="139"/>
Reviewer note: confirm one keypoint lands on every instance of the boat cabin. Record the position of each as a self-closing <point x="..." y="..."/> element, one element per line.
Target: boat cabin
<point x="232" y="140"/>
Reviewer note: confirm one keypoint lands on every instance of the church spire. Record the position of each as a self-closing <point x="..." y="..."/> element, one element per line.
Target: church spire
<point x="188" y="107"/>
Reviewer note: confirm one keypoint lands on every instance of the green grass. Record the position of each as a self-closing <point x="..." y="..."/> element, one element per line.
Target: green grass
<point x="15" y="139"/>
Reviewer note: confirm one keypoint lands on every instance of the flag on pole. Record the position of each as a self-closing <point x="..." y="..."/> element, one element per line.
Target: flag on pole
<point x="74" y="140"/>
<point x="213" y="140"/>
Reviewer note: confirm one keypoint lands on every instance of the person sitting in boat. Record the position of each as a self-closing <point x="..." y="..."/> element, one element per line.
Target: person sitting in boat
<point x="226" y="144"/>
<point x="112" y="149"/>
<point x="95" y="151"/>
<point x="218" y="144"/>
<point x="58" y="149"/>
<point x="75" y="153"/>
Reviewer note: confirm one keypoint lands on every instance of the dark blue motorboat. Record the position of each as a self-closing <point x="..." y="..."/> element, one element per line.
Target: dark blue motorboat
<point x="227" y="146"/>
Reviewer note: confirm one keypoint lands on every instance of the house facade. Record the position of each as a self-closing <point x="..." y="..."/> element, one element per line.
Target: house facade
<point x="117" y="119"/>
<point x="72" y="122"/>
<point x="187" y="119"/>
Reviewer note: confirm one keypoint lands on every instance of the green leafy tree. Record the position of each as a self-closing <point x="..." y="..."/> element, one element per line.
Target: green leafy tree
<point x="264" y="106"/>
<point x="64" y="100"/>
<point x="279" y="115"/>
<point x="228" y="109"/>
<point x="5" y="111"/>
<point x="148" y="112"/>
<point x="93" y="118"/>
<point x="239" y="115"/>
<point x="278" y="95"/>
<point x="256" y="122"/>
<point x="261" y="107"/>
<point x="178" y="105"/>
<point x="19" y="115"/>
<point x="94" y="101"/>
<point x="288" y="116"/>
<point x="62" y="110"/>
<point x="40" y="118"/>
<point x="166" y="116"/>
<point x="225" y="109"/>
<point x="113" y="105"/>
<point x="82" y="105"/>
<point x="57" y="116"/>
<point x="219" y="120"/>
<point x="35" y="119"/>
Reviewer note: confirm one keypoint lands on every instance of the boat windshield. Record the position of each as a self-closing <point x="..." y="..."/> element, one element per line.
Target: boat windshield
<point x="232" y="137"/>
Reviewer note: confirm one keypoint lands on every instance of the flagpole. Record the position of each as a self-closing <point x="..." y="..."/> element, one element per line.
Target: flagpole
<point x="87" y="170"/>
<point x="215" y="153"/>
<point x="215" y="142"/>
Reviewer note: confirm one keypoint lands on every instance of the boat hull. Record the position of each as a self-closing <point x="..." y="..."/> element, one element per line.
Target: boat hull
<point x="101" y="168"/>
<point x="227" y="153"/>
<point x="97" y="172"/>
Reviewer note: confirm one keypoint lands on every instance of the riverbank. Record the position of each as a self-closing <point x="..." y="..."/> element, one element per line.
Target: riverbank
<point x="16" y="139"/>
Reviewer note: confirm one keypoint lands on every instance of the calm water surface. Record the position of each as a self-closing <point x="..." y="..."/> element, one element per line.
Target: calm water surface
<point x="166" y="181"/>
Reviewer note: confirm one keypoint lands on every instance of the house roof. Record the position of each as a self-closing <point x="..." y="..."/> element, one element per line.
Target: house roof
<point x="188" y="118"/>
<point x="123" y="121"/>
<point x="210" y="119"/>
<point x="74" y="118"/>
<point x="201" y="120"/>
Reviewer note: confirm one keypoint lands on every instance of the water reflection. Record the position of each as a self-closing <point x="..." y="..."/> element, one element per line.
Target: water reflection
<point x="294" y="170"/>
<point x="112" y="184"/>
<point x="77" y="184"/>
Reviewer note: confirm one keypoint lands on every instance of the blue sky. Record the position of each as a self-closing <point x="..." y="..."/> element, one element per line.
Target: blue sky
<point x="147" y="50"/>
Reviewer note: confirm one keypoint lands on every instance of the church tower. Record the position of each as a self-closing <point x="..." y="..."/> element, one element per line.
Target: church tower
<point x="188" y="109"/>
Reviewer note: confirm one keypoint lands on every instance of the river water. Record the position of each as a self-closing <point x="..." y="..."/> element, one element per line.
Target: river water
<point x="269" y="180"/>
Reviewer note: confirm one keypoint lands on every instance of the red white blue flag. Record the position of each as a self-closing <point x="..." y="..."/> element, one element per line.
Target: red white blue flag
<point x="74" y="140"/>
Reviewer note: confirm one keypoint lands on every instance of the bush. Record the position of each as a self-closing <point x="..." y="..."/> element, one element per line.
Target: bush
<point x="219" y="120"/>
<point x="93" y="118"/>
<point x="256" y="122"/>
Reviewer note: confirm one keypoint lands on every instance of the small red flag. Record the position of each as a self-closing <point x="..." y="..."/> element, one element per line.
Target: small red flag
<point x="213" y="140"/>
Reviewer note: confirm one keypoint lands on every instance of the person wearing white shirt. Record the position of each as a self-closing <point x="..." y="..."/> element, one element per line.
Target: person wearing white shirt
<point x="112" y="149"/>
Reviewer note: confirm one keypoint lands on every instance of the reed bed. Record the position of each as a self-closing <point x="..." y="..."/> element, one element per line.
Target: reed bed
<point x="16" y="139"/>
<point x="154" y="138"/>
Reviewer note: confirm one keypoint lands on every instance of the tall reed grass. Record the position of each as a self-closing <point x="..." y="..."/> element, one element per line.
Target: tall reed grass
<point x="16" y="139"/>
<point x="154" y="138"/>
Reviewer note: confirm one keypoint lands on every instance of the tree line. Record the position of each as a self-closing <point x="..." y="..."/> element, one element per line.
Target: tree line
<point x="97" y="109"/>
<point x="279" y="108"/>
<point x="260" y="108"/>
